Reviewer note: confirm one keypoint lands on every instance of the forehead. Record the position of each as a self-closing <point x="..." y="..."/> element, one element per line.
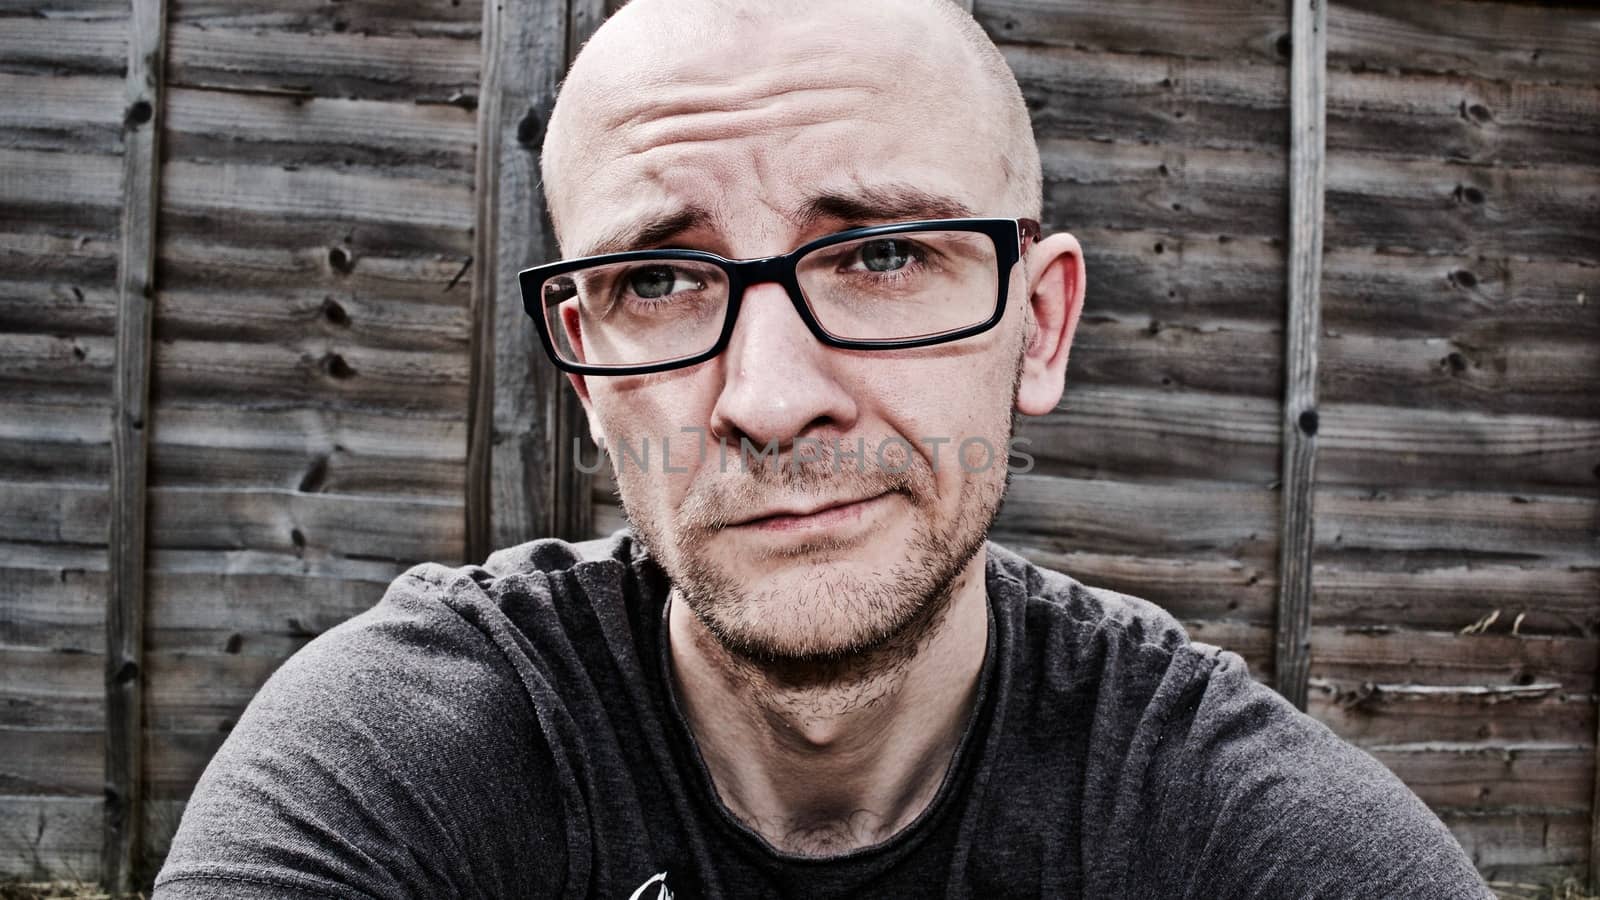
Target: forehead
<point x="751" y="120"/>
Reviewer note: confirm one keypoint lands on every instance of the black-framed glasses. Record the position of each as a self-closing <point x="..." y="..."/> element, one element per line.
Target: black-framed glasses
<point x="886" y="287"/>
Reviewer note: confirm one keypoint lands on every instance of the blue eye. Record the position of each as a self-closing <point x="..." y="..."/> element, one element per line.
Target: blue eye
<point x="653" y="282"/>
<point x="885" y="255"/>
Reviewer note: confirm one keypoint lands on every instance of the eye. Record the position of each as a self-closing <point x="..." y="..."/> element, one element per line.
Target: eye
<point x="886" y="255"/>
<point x="655" y="282"/>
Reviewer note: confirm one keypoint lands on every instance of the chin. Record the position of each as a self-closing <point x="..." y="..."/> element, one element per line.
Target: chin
<point x="827" y="605"/>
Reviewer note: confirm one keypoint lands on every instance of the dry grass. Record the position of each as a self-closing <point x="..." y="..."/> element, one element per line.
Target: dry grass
<point x="75" y="890"/>
<point x="1571" y="889"/>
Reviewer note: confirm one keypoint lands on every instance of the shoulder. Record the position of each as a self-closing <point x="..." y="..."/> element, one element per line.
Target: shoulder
<point x="1126" y="640"/>
<point x="409" y="732"/>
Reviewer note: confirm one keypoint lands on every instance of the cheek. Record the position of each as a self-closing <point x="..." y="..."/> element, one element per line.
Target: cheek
<point x="656" y="436"/>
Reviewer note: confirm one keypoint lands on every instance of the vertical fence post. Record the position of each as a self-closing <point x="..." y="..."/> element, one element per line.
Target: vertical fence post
<point x="1594" y="822"/>
<point x="1307" y="81"/>
<point x="517" y="485"/>
<point x="141" y="169"/>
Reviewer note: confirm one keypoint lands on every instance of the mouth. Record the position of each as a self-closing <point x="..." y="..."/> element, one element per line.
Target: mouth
<point x="819" y="515"/>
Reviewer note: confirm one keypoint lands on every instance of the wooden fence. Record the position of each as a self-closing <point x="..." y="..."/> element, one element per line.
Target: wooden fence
<point x="1335" y="401"/>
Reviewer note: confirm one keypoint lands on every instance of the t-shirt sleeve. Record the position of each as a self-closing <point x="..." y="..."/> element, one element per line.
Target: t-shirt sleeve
<point x="394" y="756"/>
<point x="1263" y="801"/>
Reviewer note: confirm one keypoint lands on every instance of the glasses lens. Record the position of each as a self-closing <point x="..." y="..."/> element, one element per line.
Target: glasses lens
<point x="635" y="313"/>
<point x="904" y="285"/>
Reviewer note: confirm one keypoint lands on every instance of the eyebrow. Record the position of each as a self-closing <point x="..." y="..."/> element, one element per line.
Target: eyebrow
<point x="647" y="232"/>
<point x="878" y="205"/>
<point x="863" y="206"/>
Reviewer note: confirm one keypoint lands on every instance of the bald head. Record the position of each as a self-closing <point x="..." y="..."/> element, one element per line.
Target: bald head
<point x="753" y="80"/>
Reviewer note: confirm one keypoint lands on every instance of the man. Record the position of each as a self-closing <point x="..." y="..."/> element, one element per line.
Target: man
<point x="803" y="672"/>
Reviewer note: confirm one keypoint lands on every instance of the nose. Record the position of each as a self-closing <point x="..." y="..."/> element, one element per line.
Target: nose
<point x="779" y="382"/>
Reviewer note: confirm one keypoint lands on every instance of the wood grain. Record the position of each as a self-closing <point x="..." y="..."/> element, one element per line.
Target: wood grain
<point x="1437" y="206"/>
<point x="1463" y="118"/>
<point x="428" y="142"/>
<point x="324" y="64"/>
<point x="1298" y="419"/>
<point x="47" y="838"/>
<point x="1504" y="41"/>
<point x="519" y="412"/>
<point x="432" y="18"/>
<point x="130" y="437"/>
<point x="1171" y="101"/>
<point x="55" y="112"/>
<point x="1249" y="31"/>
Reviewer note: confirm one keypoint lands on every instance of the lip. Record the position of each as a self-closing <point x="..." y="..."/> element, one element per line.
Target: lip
<point x="786" y="518"/>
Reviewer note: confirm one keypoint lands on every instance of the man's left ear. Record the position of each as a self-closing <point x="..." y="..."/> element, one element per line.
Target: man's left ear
<point x="1055" y="294"/>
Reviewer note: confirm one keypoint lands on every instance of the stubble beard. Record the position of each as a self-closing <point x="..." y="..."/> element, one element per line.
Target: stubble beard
<point x="886" y="615"/>
<point x="841" y="626"/>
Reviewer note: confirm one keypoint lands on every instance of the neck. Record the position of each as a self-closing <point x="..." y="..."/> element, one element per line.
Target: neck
<point x="825" y="759"/>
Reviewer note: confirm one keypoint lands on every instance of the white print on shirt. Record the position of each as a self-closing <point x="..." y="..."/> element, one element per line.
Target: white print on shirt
<point x="660" y="881"/>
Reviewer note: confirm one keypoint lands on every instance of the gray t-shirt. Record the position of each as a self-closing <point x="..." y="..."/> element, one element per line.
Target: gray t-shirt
<point x="511" y="731"/>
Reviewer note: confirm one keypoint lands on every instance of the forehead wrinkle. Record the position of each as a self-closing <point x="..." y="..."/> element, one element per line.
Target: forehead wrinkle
<point x="692" y="121"/>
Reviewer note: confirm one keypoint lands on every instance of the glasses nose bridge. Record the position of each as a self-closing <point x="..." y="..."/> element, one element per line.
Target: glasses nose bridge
<point x="747" y="273"/>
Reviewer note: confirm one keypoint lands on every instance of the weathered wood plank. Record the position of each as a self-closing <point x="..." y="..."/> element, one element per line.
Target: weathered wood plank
<point x="431" y="439"/>
<point x="1558" y="777"/>
<point x="78" y="113"/>
<point x="1481" y="299"/>
<point x="1461" y="526"/>
<point x="51" y="442"/>
<point x="352" y="263"/>
<point x="1188" y="190"/>
<point x="1198" y="518"/>
<point x="80" y="191"/>
<point x="203" y="692"/>
<point x="52" y="762"/>
<point x="290" y="522"/>
<point x="1534" y="665"/>
<point x="242" y="191"/>
<point x="1236" y="358"/>
<point x="49" y="838"/>
<point x="1143" y="99"/>
<point x="1487" y="40"/>
<point x="1129" y="434"/>
<point x="310" y="311"/>
<point x="433" y="18"/>
<point x="1196" y="279"/>
<point x="1441" y="448"/>
<point x="316" y="372"/>
<point x="331" y="64"/>
<point x="335" y="470"/>
<point x="1250" y="32"/>
<point x="78" y="299"/>
<point x="1527" y="846"/>
<point x="425" y="142"/>
<point x="66" y="45"/>
<point x="1463" y="118"/>
<point x="1490" y="373"/>
<point x="1434" y="206"/>
<point x="53" y="689"/>
<point x="1136" y="433"/>
<point x="265" y="605"/>
<point x="1377" y="718"/>
<point x="1537" y="598"/>
<point x="1298" y="418"/>
<point x="1212" y="588"/>
<point x="130" y="436"/>
<point x="39" y="366"/>
<point x="55" y="600"/>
